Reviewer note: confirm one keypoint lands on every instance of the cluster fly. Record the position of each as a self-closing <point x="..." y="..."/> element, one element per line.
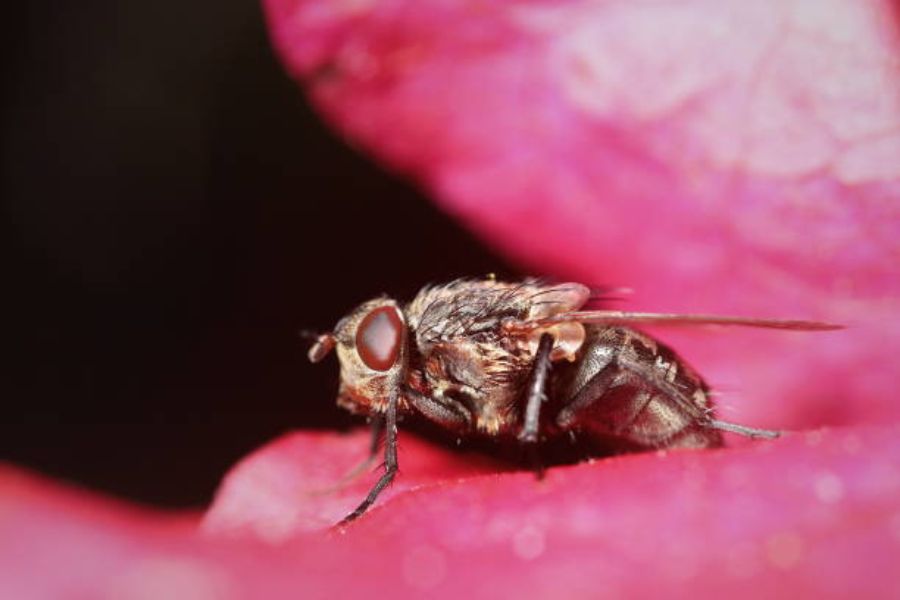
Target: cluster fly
<point x="524" y="362"/>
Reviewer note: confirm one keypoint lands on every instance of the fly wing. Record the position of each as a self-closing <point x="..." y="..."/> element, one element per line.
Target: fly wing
<point x="467" y="307"/>
<point x="547" y="304"/>
<point x="548" y="301"/>
<point x="617" y="317"/>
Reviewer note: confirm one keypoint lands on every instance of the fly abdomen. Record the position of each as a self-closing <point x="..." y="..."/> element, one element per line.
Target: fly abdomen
<point x="629" y="388"/>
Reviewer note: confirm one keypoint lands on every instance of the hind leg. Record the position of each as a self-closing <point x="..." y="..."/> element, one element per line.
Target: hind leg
<point x="750" y="432"/>
<point x="609" y="403"/>
<point x="617" y="402"/>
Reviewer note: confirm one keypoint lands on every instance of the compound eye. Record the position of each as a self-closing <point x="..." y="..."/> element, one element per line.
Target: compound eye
<point x="378" y="338"/>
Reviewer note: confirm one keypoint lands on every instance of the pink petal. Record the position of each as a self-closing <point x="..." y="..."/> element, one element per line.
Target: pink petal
<point x="293" y="484"/>
<point x="815" y="514"/>
<point x="716" y="156"/>
<point x="725" y="157"/>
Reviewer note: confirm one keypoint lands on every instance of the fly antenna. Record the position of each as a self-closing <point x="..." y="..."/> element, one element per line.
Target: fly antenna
<point x="322" y="344"/>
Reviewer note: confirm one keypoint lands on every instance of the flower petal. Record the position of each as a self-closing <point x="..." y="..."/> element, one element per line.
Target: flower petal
<point x="715" y="156"/>
<point x="810" y="514"/>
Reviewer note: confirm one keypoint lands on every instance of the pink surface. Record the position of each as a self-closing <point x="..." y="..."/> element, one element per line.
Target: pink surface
<point x="814" y="514"/>
<point x="715" y="156"/>
<point x="723" y="156"/>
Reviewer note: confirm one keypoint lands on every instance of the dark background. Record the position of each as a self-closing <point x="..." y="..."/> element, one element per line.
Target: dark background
<point x="173" y="212"/>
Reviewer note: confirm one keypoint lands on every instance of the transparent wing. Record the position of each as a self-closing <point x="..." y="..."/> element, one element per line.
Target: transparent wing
<point x="618" y="317"/>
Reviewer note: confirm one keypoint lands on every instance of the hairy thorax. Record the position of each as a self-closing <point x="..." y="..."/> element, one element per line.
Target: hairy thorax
<point x="463" y="352"/>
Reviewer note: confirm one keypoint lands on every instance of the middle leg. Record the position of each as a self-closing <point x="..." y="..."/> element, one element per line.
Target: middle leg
<point x="535" y="396"/>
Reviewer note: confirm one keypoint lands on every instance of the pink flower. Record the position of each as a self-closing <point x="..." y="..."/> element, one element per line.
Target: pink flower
<point x="716" y="156"/>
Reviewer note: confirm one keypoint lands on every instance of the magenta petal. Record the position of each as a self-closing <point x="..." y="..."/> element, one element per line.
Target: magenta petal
<point x="293" y="485"/>
<point x="718" y="156"/>
<point x="811" y="515"/>
<point x="732" y="157"/>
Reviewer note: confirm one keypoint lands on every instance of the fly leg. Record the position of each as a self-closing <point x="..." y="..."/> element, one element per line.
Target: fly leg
<point x="750" y="432"/>
<point x="443" y="410"/>
<point x="609" y="377"/>
<point x="377" y="429"/>
<point x="703" y="419"/>
<point x="620" y="399"/>
<point x="535" y="396"/>
<point x="655" y="415"/>
<point x="390" y="459"/>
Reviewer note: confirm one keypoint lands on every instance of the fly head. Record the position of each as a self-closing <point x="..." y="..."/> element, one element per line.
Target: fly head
<point x="371" y="348"/>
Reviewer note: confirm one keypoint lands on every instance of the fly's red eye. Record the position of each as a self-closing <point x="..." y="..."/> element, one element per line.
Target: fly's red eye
<point x="378" y="338"/>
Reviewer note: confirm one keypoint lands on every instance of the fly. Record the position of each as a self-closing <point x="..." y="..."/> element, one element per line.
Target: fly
<point x="524" y="362"/>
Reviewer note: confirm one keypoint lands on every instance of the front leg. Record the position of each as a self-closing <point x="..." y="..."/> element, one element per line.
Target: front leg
<point x="535" y="396"/>
<point x="441" y="409"/>
<point x="390" y="459"/>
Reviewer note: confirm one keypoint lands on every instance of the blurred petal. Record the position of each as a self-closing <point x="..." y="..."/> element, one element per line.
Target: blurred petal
<point x="814" y="514"/>
<point x="294" y="483"/>
<point x="716" y="156"/>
